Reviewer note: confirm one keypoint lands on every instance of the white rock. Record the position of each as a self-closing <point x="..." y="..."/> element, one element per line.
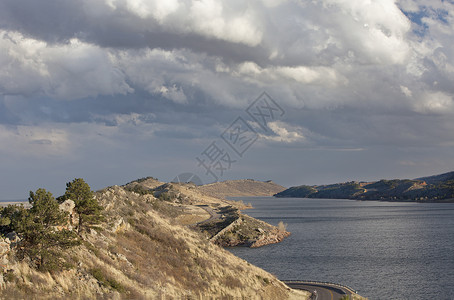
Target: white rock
<point x="69" y="206"/>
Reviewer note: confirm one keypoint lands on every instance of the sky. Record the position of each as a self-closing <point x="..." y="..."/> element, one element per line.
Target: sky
<point x="298" y="92"/>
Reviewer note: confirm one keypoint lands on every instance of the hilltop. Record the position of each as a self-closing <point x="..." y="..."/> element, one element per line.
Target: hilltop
<point x="155" y="241"/>
<point x="241" y="188"/>
<point x="436" y="188"/>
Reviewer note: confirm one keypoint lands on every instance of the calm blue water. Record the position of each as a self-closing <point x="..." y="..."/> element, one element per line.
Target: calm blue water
<point x="384" y="250"/>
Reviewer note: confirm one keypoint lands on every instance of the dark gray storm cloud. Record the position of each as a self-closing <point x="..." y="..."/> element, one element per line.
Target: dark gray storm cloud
<point x="157" y="81"/>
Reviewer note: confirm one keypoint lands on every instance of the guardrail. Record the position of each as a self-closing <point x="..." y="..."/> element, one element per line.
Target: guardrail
<point x="322" y="282"/>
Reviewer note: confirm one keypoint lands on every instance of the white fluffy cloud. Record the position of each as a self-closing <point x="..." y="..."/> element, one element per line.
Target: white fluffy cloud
<point x="291" y="48"/>
<point x="376" y="29"/>
<point x="73" y="70"/>
<point x="144" y="75"/>
<point x="361" y="58"/>
<point x="209" y="18"/>
<point x="435" y="102"/>
<point x="284" y="133"/>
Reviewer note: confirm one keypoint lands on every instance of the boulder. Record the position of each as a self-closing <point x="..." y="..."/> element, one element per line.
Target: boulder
<point x="70" y="207"/>
<point x="4" y="247"/>
<point x="120" y="225"/>
<point x="12" y="237"/>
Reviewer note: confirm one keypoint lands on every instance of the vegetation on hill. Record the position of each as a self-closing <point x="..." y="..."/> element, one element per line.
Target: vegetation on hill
<point x="42" y="241"/>
<point x="87" y="207"/>
<point x="133" y="248"/>
<point x="241" y="188"/>
<point x="430" y="189"/>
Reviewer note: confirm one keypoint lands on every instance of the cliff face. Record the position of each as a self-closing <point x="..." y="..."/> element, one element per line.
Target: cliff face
<point x="241" y="188"/>
<point x="436" y="188"/>
<point x="144" y="250"/>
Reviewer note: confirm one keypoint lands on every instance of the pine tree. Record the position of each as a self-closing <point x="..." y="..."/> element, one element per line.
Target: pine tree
<point x="87" y="207"/>
<point x="42" y="240"/>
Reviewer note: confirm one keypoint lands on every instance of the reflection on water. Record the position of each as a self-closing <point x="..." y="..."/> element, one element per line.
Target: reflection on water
<point x="384" y="250"/>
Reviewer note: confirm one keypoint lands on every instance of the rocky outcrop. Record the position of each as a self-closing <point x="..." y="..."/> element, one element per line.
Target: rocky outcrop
<point x="120" y="226"/>
<point x="4" y="247"/>
<point x="69" y="207"/>
<point x="226" y="229"/>
<point x="273" y="237"/>
<point x="140" y="251"/>
<point x="6" y="244"/>
<point x="250" y="232"/>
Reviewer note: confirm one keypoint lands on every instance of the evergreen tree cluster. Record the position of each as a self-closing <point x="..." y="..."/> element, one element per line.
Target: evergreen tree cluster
<point x="43" y="228"/>
<point x="87" y="208"/>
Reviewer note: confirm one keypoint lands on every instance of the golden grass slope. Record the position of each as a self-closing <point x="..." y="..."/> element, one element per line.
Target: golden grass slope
<point x="142" y="252"/>
<point x="241" y="188"/>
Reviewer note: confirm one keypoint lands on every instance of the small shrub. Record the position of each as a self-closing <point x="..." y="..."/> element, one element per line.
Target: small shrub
<point x="264" y="279"/>
<point x="281" y="226"/>
<point x="165" y="196"/>
<point x="98" y="275"/>
<point x="10" y="276"/>
<point x="115" y="285"/>
<point x="138" y="189"/>
<point x="91" y="247"/>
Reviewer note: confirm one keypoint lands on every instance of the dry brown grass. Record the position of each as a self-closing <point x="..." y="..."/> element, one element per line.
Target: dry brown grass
<point x="152" y="259"/>
<point x="241" y="188"/>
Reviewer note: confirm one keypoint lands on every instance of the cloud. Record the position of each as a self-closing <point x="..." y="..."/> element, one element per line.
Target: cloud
<point x="34" y="141"/>
<point x="85" y="74"/>
<point x="283" y="133"/>
<point x="379" y="28"/>
<point x="208" y="18"/>
<point x="224" y="51"/>
<point x="328" y="55"/>
<point x="69" y="71"/>
<point x="406" y="91"/>
<point x="435" y="102"/>
<point x="407" y="163"/>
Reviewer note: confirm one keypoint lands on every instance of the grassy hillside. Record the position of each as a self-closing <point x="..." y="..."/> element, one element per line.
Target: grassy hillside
<point x="241" y="188"/>
<point x="146" y="247"/>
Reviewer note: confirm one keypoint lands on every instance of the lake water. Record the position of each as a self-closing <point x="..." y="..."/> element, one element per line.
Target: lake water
<point x="384" y="250"/>
<point x="7" y="202"/>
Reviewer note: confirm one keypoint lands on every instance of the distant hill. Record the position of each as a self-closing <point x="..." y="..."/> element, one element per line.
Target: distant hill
<point x="438" y="178"/>
<point x="146" y="182"/>
<point x="437" y="188"/>
<point x="241" y="188"/>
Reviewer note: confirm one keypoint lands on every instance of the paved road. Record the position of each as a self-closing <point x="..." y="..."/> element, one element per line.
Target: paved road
<point x="323" y="291"/>
<point x="213" y="215"/>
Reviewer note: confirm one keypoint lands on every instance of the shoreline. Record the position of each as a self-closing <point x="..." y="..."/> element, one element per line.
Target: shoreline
<point x="448" y="200"/>
<point x="4" y="203"/>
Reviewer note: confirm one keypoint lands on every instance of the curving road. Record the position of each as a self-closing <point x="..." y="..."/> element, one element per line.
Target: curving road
<point x="213" y="215"/>
<point x="320" y="291"/>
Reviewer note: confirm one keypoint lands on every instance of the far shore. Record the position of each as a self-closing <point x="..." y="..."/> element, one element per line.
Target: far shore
<point x="8" y="202"/>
